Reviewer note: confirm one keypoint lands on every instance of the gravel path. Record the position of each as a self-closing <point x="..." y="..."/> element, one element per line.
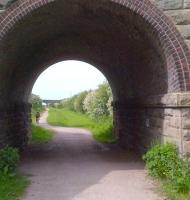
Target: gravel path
<point x="75" y="167"/>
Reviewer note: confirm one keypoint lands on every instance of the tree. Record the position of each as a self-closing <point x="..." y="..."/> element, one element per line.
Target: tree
<point x="36" y="102"/>
<point x="69" y="103"/>
<point x="78" y="103"/>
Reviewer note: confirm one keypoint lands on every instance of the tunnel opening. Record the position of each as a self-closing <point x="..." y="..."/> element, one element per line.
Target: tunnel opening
<point x="58" y="82"/>
<point x="132" y="42"/>
<point x="77" y="100"/>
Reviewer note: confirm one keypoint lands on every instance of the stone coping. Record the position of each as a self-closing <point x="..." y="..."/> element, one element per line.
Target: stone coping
<point x="170" y="100"/>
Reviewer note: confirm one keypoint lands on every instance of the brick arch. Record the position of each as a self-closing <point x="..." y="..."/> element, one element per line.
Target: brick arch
<point x="176" y="51"/>
<point x="161" y="61"/>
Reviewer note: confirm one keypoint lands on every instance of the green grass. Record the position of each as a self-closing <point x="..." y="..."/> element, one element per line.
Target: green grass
<point x="41" y="135"/>
<point x="172" y="194"/>
<point x="11" y="188"/>
<point x="102" y="130"/>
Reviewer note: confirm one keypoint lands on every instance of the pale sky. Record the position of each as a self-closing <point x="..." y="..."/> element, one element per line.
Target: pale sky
<point x="67" y="78"/>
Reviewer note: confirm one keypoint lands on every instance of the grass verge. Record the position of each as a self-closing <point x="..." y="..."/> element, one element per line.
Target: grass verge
<point x="101" y="129"/>
<point x="41" y="135"/>
<point x="12" y="187"/>
<point x="171" y="192"/>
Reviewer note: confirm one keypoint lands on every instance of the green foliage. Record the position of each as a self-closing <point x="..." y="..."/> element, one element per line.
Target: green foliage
<point x="102" y="130"/>
<point x="98" y="102"/>
<point x="41" y="135"/>
<point x="12" y="187"/>
<point x="9" y="158"/>
<point x="160" y="160"/>
<point x="89" y="104"/>
<point x="36" y="103"/>
<point x="78" y="103"/>
<point x="171" y="192"/>
<point x="69" y="103"/>
<point x="163" y="162"/>
<point x="180" y="176"/>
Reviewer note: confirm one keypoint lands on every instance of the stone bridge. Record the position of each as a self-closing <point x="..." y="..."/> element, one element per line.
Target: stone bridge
<point x="136" y="44"/>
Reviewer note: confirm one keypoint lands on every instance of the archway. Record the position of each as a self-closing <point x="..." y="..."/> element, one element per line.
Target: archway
<point x="133" y="43"/>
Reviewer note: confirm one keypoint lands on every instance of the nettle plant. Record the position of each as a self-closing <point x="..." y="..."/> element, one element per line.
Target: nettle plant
<point x="9" y="158"/>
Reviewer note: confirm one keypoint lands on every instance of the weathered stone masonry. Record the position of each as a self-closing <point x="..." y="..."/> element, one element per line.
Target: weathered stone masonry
<point x="161" y="118"/>
<point x="150" y="82"/>
<point x="179" y="12"/>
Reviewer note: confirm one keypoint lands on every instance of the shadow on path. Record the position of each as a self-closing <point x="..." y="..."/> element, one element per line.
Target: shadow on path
<point x="75" y="167"/>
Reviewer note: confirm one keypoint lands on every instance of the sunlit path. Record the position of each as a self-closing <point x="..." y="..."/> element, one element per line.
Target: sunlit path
<point x="75" y="167"/>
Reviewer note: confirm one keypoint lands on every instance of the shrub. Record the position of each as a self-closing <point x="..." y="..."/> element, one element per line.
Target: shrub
<point x="89" y="105"/>
<point x="163" y="161"/>
<point x="69" y="103"/>
<point x="109" y="106"/>
<point x="9" y="158"/>
<point x="36" y="103"/>
<point x="78" y="103"/>
<point x="180" y="177"/>
<point x="97" y="103"/>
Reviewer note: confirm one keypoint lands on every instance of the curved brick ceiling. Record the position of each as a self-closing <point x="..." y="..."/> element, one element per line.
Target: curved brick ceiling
<point x="136" y="47"/>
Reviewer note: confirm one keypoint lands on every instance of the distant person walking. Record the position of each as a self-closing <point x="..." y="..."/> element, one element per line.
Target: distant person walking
<point x="37" y="117"/>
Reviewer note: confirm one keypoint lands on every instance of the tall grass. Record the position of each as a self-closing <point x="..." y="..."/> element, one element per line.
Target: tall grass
<point x="41" y="135"/>
<point x="12" y="187"/>
<point x="102" y="129"/>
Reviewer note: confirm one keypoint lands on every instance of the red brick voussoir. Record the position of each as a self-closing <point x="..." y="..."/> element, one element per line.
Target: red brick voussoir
<point x="175" y="50"/>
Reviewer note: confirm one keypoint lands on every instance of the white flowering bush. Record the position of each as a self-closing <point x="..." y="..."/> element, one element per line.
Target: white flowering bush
<point x="109" y="106"/>
<point x="78" y="103"/>
<point x="98" y="103"/>
<point x="109" y="102"/>
<point x="88" y="104"/>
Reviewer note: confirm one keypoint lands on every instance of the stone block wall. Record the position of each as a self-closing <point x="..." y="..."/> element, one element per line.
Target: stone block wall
<point x="158" y="118"/>
<point x="179" y="12"/>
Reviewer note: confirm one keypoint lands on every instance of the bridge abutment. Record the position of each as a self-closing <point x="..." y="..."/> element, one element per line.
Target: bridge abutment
<point x="163" y="118"/>
<point x="15" y="125"/>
